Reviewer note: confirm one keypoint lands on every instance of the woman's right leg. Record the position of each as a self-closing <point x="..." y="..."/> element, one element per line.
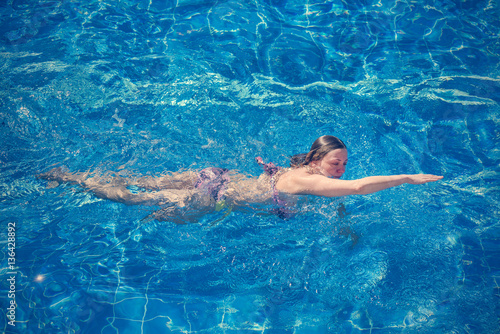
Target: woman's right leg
<point x="177" y="180"/>
<point x="121" y="194"/>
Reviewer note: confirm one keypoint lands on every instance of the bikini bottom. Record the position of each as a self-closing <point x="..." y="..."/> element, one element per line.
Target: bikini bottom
<point x="213" y="181"/>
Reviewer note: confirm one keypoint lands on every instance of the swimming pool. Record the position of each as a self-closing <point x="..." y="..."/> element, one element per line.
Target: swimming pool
<point x="148" y="86"/>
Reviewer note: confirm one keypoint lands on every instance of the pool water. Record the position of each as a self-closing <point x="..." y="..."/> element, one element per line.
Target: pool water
<point x="144" y="87"/>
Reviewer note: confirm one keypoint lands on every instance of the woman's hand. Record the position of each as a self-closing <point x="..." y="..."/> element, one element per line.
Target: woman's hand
<point x="422" y="178"/>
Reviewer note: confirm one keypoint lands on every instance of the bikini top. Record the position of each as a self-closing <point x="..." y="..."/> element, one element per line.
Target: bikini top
<point x="275" y="172"/>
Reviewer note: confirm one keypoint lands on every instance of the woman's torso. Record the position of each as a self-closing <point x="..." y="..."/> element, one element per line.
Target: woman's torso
<point x="248" y="189"/>
<point x="265" y="188"/>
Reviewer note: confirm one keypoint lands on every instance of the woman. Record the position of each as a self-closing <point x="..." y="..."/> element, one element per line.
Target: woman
<point x="189" y="194"/>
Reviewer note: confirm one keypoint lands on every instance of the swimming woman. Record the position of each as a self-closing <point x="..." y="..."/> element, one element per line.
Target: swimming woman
<point x="317" y="172"/>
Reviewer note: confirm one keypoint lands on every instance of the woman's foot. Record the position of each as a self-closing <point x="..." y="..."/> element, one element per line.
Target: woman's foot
<point x="55" y="174"/>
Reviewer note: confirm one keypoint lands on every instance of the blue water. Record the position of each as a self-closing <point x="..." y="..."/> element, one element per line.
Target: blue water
<point x="142" y="87"/>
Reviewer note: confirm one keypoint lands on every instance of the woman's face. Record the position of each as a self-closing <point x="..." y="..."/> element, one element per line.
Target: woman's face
<point x="333" y="163"/>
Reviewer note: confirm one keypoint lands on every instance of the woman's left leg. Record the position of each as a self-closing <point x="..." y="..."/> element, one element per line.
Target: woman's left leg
<point x="177" y="180"/>
<point x="114" y="188"/>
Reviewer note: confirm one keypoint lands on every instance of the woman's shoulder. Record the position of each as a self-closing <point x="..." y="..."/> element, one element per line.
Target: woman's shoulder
<point x="294" y="180"/>
<point x="297" y="172"/>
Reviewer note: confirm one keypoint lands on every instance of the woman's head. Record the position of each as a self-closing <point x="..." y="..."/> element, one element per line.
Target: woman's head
<point x="327" y="153"/>
<point x="321" y="147"/>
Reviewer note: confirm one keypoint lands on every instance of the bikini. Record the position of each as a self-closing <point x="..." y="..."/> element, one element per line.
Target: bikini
<point x="213" y="181"/>
<point x="282" y="208"/>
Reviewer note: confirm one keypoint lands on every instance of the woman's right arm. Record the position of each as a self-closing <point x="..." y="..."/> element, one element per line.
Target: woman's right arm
<point x="320" y="185"/>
